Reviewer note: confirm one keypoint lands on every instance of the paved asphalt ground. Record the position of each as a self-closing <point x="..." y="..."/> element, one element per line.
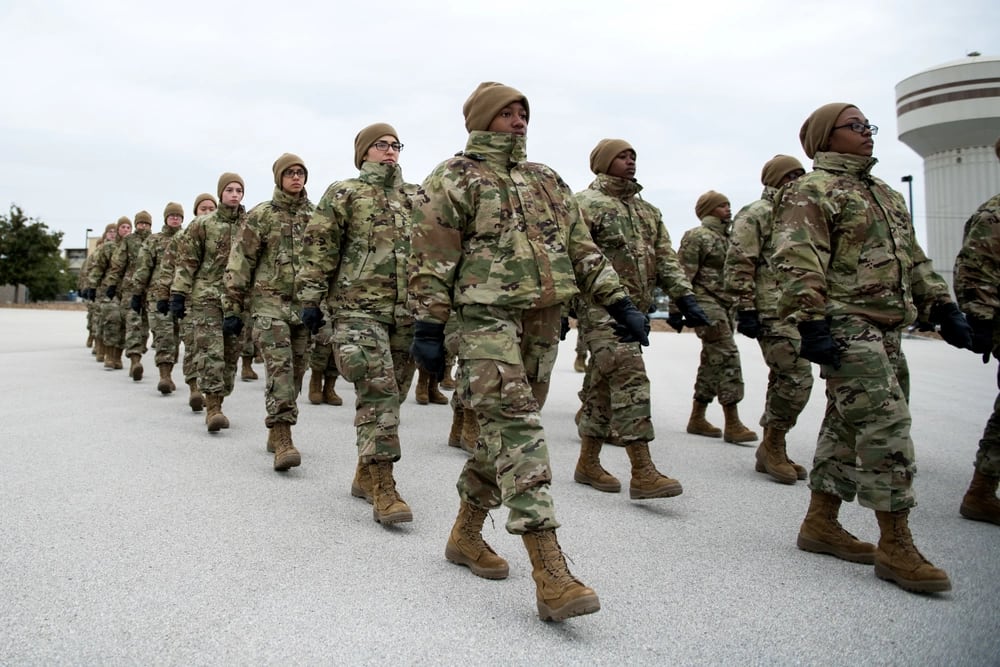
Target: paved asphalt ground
<point x="129" y="535"/>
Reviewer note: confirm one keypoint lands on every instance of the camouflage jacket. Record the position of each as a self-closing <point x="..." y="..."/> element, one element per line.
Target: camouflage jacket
<point x="202" y="254"/>
<point x="631" y="234"/>
<point x="150" y="259"/>
<point x="977" y="267"/>
<point x="844" y="244"/>
<point x="123" y="262"/>
<point x="83" y="279"/>
<point x="490" y="228"/>
<point x="748" y="275"/>
<point x="100" y="265"/>
<point x="163" y="276"/>
<point x="266" y="256"/>
<point x="356" y="248"/>
<point x="702" y="253"/>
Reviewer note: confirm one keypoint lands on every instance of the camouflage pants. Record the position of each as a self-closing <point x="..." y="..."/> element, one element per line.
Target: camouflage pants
<point x="284" y="348"/>
<point x="112" y="323"/>
<point x="506" y="359"/>
<point x="91" y="318"/>
<point x="789" y="382"/>
<point x="215" y="354"/>
<point x="136" y="329"/>
<point x="190" y="367"/>
<point x="321" y="358"/>
<point x="864" y="446"/>
<point x="988" y="456"/>
<point x="719" y="373"/>
<point x="166" y="337"/>
<point x="376" y="359"/>
<point x="248" y="347"/>
<point x="615" y="392"/>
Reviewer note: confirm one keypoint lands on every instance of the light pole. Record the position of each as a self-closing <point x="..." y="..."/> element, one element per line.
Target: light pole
<point x="86" y="243"/>
<point x="908" y="179"/>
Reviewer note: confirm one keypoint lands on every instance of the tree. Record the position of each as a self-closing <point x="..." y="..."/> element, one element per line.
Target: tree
<point x="29" y="256"/>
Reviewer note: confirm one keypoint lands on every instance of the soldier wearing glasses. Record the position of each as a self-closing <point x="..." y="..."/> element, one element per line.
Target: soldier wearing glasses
<point x="852" y="276"/>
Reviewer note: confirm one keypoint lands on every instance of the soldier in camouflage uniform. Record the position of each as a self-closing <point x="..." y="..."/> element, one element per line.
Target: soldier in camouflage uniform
<point x="323" y="366"/>
<point x="102" y="275"/>
<point x="355" y="257"/>
<point x="93" y="282"/>
<point x="977" y="285"/>
<point x="851" y="277"/>
<point x="615" y="395"/>
<point x="123" y="264"/>
<point x="166" y="339"/>
<point x="265" y="257"/>
<point x="749" y="279"/>
<point x="702" y="253"/>
<point x="501" y="241"/>
<point x="202" y="254"/>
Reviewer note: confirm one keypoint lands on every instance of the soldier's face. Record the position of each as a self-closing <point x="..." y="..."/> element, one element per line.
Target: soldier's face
<point x="846" y="140"/>
<point x="389" y="156"/>
<point x="205" y="207"/>
<point x="110" y="235"/>
<point x="623" y="166"/>
<point x="512" y="119"/>
<point x="142" y="226"/>
<point x="174" y="220"/>
<point x="232" y="195"/>
<point x="791" y="176"/>
<point x="293" y="179"/>
<point x="724" y="212"/>
<point x="124" y="230"/>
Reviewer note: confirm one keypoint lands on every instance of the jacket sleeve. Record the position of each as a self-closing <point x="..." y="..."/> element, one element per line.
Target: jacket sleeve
<point x="670" y="275"/>
<point x="188" y="258"/>
<point x="444" y="207"/>
<point x="740" y="270"/>
<point x="595" y="275"/>
<point x="243" y="256"/>
<point x="321" y="246"/>
<point x="977" y="267"/>
<point x="802" y="253"/>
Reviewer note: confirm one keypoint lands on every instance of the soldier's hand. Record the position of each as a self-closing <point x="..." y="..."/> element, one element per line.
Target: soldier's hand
<point x="135" y="303"/>
<point x="427" y="348"/>
<point x="635" y="323"/>
<point x="177" y="306"/>
<point x="111" y="291"/>
<point x="162" y="306"/>
<point x="563" y="327"/>
<point x="748" y="323"/>
<point x="312" y="317"/>
<point x="982" y="335"/>
<point x="694" y="316"/>
<point x="818" y="345"/>
<point x="954" y="329"/>
<point x="232" y="325"/>
<point x="676" y="320"/>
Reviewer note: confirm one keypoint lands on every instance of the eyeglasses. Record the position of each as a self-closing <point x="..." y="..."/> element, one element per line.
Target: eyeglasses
<point x="859" y="128"/>
<point x="385" y="145"/>
<point x="294" y="173"/>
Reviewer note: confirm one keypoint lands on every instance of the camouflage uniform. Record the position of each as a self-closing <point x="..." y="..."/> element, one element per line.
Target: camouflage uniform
<point x="631" y="234"/>
<point x="321" y="357"/>
<point x="702" y="253"/>
<point x="502" y="241"/>
<point x="263" y="263"/>
<point x="845" y="250"/>
<point x="202" y="253"/>
<point x="159" y="290"/>
<point x="749" y="279"/>
<point x="123" y="265"/>
<point x="165" y="328"/>
<point x="355" y="256"/>
<point x="112" y="326"/>
<point x="977" y="286"/>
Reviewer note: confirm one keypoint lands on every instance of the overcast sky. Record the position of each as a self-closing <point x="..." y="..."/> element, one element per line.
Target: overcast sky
<point x="113" y="107"/>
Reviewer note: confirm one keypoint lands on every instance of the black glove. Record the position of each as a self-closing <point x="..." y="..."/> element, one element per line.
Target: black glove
<point x="177" y="306"/>
<point x="818" y="345"/>
<point x="694" y="316"/>
<point x="954" y="329"/>
<point x="563" y="327"/>
<point x="135" y="303"/>
<point x="232" y="325"/>
<point x="748" y="323"/>
<point x="428" y="347"/>
<point x="634" y="324"/>
<point x="90" y="294"/>
<point x="982" y="335"/>
<point x="676" y="320"/>
<point x="111" y="291"/>
<point x="162" y="306"/>
<point x="312" y="317"/>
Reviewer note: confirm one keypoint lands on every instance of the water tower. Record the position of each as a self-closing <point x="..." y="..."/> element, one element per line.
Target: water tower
<point x="950" y="115"/>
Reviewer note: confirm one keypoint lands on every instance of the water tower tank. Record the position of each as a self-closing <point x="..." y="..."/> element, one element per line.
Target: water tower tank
<point x="950" y="115"/>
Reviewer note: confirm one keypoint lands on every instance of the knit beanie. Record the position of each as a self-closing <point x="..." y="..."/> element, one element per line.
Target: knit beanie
<point x="605" y="152"/>
<point x="111" y="227"/>
<point x="226" y="179"/>
<point x="816" y="131"/>
<point x="708" y="203"/>
<point x="485" y="103"/>
<point x="173" y="208"/>
<point x="284" y="162"/>
<point x="368" y="136"/>
<point x="204" y="196"/>
<point x="124" y="221"/>
<point x="777" y="168"/>
<point x="143" y="216"/>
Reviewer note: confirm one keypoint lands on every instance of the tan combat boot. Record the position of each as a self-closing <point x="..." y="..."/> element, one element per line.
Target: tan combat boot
<point x="897" y="559"/>
<point x="247" y="373"/>
<point x="420" y="393"/>
<point x="98" y="351"/>
<point x="771" y="458"/>
<point x="434" y="394"/>
<point x="558" y="594"/>
<point x="467" y="547"/>
<point x="135" y="369"/>
<point x="285" y="454"/>
<point x="980" y="502"/>
<point x="455" y="433"/>
<point x="698" y="425"/>
<point x="589" y="469"/>
<point x="109" y="357"/>
<point x="361" y="486"/>
<point x="470" y="430"/>
<point x="735" y="431"/>
<point x="316" y="388"/>
<point x="213" y="415"/>
<point x="822" y="533"/>
<point x="90" y="340"/>
<point x="448" y="381"/>
<point x="580" y="363"/>
<point x="387" y="505"/>
<point x="196" y="401"/>
<point x="118" y="358"/>
<point x="647" y="481"/>
<point x="330" y="396"/>
<point x="166" y="383"/>
<point x="272" y="440"/>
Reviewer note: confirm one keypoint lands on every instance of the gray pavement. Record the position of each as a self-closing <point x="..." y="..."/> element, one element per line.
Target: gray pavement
<point x="128" y="535"/>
